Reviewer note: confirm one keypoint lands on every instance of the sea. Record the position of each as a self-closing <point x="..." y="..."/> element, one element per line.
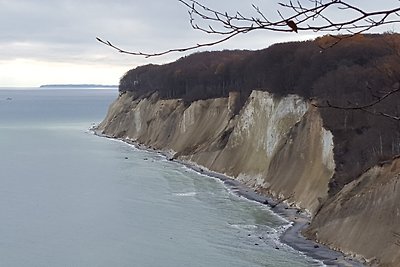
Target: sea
<point x="71" y="198"/>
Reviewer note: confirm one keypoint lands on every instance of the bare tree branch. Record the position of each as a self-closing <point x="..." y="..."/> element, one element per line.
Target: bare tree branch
<point x="367" y="107"/>
<point x="147" y="55"/>
<point x="311" y="15"/>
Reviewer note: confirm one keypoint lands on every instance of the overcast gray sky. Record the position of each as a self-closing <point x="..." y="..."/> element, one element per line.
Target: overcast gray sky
<point x="53" y="41"/>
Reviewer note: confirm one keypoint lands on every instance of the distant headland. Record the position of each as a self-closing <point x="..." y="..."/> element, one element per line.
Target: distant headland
<point x="76" y="86"/>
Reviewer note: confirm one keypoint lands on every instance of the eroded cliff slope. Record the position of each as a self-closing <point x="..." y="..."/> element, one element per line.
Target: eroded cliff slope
<point x="364" y="217"/>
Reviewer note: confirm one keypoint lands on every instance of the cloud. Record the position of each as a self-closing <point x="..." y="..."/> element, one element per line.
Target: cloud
<point x="64" y="31"/>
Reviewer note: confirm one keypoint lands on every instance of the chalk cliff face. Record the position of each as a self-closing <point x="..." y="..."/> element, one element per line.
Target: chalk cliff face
<point x="274" y="145"/>
<point x="364" y="217"/>
<point x="277" y="146"/>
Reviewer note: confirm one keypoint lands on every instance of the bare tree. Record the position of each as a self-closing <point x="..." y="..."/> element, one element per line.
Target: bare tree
<point x="369" y="107"/>
<point x="293" y="16"/>
<point x="384" y="92"/>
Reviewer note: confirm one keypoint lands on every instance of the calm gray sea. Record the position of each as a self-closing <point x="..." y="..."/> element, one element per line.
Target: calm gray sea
<point x="69" y="198"/>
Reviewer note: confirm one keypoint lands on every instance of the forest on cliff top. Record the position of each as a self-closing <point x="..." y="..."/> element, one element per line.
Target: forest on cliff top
<point x="304" y="68"/>
<point x="354" y="72"/>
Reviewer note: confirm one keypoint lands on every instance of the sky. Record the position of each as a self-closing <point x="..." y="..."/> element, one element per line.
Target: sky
<point x="54" y="41"/>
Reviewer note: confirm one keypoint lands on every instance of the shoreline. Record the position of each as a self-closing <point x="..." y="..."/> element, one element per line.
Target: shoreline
<point x="298" y="219"/>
